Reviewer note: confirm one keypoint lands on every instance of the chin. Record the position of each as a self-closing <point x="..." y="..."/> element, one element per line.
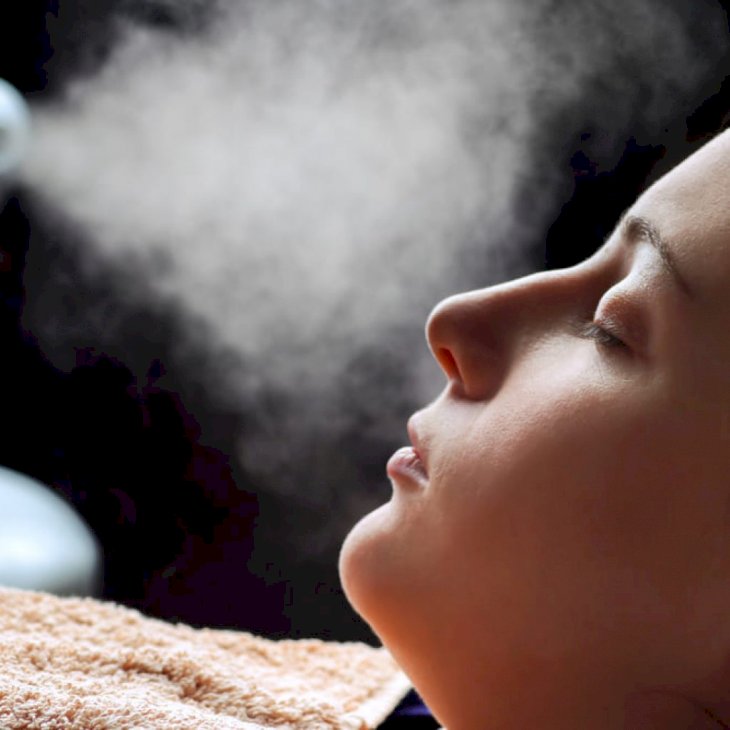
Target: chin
<point x="366" y="562"/>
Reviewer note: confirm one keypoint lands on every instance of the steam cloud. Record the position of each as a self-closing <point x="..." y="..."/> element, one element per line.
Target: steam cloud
<point x="302" y="181"/>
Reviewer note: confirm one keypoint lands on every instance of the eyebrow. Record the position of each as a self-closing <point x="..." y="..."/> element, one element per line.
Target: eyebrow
<point x="635" y="229"/>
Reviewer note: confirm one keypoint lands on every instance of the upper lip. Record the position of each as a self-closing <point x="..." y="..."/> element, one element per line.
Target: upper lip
<point x="416" y="441"/>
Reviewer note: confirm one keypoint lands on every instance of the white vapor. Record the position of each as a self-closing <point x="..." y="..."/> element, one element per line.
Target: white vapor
<point x="305" y="179"/>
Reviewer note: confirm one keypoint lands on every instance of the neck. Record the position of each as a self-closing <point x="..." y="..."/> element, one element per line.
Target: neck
<point x="658" y="710"/>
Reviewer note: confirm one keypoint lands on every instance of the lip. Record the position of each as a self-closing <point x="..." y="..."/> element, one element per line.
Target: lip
<point x="407" y="465"/>
<point x="416" y="441"/>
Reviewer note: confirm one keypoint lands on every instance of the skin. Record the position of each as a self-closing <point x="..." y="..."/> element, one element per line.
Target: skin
<point x="566" y="562"/>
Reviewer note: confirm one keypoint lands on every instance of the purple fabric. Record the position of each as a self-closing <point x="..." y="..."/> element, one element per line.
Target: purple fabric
<point x="411" y="714"/>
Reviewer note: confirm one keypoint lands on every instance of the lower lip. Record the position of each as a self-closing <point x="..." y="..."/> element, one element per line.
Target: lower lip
<point x="406" y="466"/>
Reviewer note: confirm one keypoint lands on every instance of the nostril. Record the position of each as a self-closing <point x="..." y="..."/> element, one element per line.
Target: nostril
<point x="448" y="363"/>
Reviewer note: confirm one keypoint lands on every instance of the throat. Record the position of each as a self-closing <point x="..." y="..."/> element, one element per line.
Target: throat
<point x="666" y="711"/>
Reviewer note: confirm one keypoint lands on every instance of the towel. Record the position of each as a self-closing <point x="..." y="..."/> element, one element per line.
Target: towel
<point x="85" y="663"/>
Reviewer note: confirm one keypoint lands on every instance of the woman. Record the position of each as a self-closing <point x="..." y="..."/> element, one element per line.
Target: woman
<point x="556" y="552"/>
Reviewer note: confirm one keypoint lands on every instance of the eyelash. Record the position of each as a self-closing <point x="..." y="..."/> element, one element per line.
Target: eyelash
<point x="592" y="331"/>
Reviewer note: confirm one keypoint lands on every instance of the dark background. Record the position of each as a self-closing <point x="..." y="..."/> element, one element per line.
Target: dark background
<point x="150" y="466"/>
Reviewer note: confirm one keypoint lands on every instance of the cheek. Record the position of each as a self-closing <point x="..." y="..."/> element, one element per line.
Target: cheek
<point x="600" y="519"/>
<point x="541" y="501"/>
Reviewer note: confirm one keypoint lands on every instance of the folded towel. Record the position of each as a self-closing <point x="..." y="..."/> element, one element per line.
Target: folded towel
<point x="83" y="663"/>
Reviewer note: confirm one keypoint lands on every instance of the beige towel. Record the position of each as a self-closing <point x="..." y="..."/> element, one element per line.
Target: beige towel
<point x="82" y="663"/>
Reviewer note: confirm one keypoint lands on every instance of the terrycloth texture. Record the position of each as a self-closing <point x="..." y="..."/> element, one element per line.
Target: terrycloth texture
<point x="82" y="663"/>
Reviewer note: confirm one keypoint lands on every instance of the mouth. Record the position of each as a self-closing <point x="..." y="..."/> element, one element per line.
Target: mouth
<point x="407" y="465"/>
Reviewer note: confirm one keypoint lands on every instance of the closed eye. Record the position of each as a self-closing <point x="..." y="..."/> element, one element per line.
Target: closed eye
<point x="593" y="331"/>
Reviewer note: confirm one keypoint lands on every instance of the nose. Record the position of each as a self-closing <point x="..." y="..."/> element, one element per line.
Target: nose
<point x="476" y="336"/>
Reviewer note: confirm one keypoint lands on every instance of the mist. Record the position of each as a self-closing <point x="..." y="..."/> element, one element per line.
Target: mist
<point x="300" y="182"/>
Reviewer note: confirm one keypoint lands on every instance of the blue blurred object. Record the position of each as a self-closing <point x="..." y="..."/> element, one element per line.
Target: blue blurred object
<point x="411" y="714"/>
<point x="14" y="129"/>
<point x="44" y="544"/>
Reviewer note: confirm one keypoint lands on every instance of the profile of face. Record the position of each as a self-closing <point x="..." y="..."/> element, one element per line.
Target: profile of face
<point x="556" y="551"/>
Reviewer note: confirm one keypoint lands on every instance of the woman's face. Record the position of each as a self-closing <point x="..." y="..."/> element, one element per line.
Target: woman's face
<point x="567" y="544"/>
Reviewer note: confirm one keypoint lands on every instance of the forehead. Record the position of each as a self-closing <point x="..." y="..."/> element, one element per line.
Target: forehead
<point x="690" y="206"/>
